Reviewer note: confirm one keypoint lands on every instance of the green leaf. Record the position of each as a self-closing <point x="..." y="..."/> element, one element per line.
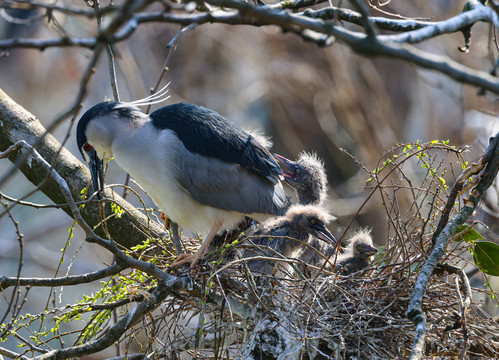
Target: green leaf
<point x="469" y="234"/>
<point x="486" y="257"/>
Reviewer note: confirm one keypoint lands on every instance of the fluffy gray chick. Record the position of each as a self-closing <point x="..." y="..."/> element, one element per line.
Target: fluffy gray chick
<point x="285" y="235"/>
<point x="358" y="254"/>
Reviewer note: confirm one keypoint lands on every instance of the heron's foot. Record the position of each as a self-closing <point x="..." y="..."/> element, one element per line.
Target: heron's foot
<point x="186" y="258"/>
<point x="145" y="294"/>
<point x="165" y="219"/>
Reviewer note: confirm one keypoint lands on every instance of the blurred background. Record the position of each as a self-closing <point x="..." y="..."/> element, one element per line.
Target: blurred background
<point x="304" y="97"/>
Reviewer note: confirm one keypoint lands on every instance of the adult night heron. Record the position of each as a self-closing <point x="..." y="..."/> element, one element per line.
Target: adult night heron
<point x="286" y="234"/>
<point x="204" y="171"/>
<point x="358" y="254"/>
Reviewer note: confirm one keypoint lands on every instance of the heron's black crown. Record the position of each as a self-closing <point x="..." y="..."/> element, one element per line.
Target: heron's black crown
<point x="101" y="109"/>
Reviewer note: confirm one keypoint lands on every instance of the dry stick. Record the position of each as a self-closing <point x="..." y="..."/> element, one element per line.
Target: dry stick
<point x="6" y="281"/>
<point x="463" y="304"/>
<point x="15" y="294"/>
<point x="116" y="97"/>
<point x="415" y="313"/>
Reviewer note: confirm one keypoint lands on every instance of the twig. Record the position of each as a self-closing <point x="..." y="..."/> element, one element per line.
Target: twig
<point x="114" y="269"/>
<point x="12" y="354"/>
<point x="114" y="333"/>
<point x="15" y="294"/>
<point x="458" y="186"/>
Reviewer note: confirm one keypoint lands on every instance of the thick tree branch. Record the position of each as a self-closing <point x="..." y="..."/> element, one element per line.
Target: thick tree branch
<point x="415" y="312"/>
<point x="331" y="13"/>
<point x="314" y="29"/>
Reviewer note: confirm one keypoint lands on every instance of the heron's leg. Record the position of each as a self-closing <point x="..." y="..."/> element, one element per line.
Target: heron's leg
<point x="193" y="258"/>
<point x="177" y="241"/>
<point x="176" y="238"/>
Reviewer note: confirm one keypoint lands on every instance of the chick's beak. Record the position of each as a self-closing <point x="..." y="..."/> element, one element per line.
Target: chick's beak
<point x="324" y="234"/>
<point x="370" y="251"/>
<point x="96" y="166"/>
<point x="286" y="166"/>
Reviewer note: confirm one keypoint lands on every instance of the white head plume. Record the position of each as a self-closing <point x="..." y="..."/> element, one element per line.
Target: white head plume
<point x="158" y="97"/>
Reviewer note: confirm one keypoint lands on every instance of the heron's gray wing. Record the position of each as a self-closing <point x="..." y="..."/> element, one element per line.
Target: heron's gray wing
<point x="228" y="186"/>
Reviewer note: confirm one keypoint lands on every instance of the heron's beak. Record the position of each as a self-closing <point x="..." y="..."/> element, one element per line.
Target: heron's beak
<point x="369" y="250"/>
<point x="286" y="167"/>
<point x="323" y="233"/>
<point x="96" y="166"/>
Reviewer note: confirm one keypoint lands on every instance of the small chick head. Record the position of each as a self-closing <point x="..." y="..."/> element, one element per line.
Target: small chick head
<point x="361" y="245"/>
<point x="311" y="219"/>
<point x="307" y="175"/>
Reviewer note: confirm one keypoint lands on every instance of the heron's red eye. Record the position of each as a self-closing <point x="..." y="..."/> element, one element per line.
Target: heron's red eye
<point x="87" y="147"/>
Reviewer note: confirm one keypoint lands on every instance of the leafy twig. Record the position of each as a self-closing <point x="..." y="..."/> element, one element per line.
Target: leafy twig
<point x="415" y="313"/>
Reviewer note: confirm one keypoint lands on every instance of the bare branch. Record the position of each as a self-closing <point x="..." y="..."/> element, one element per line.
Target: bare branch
<point x="311" y="28"/>
<point x="114" y="269"/>
<point x="12" y="354"/>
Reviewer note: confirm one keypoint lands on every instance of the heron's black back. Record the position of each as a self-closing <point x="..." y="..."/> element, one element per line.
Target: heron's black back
<point x="206" y="132"/>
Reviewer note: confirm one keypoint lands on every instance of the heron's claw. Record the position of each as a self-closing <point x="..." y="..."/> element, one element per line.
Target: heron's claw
<point x="186" y="258"/>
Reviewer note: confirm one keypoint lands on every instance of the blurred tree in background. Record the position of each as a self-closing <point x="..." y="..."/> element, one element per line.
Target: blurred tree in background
<point x="345" y="79"/>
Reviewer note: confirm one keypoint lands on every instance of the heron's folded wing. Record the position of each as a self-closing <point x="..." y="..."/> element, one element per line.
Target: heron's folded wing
<point x="228" y="186"/>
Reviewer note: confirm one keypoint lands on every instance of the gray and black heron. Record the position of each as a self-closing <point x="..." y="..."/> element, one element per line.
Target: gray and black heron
<point x="286" y="234"/>
<point x="204" y="172"/>
<point x="358" y="254"/>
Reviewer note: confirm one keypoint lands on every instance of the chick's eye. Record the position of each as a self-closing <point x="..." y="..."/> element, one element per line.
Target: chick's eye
<point x="297" y="171"/>
<point x="87" y="147"/>
<point x="313" y="221"/>
<point x="359" y="247"/>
